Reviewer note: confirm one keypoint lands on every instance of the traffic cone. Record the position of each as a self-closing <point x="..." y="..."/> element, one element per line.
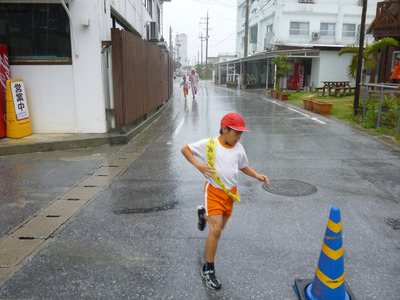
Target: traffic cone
<point x="328" y="283"/>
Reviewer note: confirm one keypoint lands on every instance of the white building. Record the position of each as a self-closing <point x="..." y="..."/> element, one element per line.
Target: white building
<point x="317" y="29"/>
<point x="60" y="48"/>
<point x="181" y="46"/>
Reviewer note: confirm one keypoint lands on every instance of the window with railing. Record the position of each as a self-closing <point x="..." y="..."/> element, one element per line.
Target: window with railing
<point x="327" y="29"/>
<point x="35" y="33"/>
<point x="299" y="28"/>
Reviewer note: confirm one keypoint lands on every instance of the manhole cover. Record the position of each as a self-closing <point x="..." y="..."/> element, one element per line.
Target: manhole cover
<point x="290" y="188"/>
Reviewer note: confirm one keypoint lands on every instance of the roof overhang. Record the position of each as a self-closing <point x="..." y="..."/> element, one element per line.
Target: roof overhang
<point x="298" y="53"/>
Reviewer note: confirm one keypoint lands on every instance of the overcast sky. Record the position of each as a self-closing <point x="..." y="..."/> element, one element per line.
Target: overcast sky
<point x="185" y="16"/>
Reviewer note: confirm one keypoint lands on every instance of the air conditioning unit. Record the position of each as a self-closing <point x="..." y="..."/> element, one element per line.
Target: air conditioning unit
<point x="316" y="35"/>
<point x="303" y="1"/>
<point x="152" y="32"/>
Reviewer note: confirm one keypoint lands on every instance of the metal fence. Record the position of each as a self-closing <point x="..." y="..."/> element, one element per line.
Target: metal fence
<point x="382" y="86"/>
<point x="142" y="77"/>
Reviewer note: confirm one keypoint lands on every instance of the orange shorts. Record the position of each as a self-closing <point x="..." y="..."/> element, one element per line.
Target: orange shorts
<point x="217" y="202"/>
<point x="186" y="91"/>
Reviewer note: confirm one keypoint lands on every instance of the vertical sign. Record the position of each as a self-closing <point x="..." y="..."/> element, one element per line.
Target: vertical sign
<point x="4" y="76"/>
<point x="19" y="99"/>
<point x="298" y="77"/>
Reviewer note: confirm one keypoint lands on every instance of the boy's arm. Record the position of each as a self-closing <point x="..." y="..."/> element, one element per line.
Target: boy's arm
<point x="204" y="169"/>
<point x="250" y="172"/>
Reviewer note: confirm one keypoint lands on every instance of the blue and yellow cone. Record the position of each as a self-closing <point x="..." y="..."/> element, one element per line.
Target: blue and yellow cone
<point x="328" y="283"/>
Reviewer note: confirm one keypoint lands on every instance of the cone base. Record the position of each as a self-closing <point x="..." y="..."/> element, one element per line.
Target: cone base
<point x="300" y="288"/>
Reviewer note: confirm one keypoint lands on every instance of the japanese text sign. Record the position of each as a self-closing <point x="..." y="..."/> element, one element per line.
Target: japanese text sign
<point x="19" y="99"/>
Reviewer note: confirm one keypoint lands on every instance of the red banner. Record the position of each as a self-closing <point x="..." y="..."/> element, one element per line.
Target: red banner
<point x="4" y="76"/>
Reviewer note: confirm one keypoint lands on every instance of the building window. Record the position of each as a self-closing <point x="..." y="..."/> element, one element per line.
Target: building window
<point x="35" y="33"/>
<point x="253" y="34"/>
<point x="149" y="7"/>
<point x="299" y="28"/>
<point x="327" y="29"/>
<point x="349" y="30"/>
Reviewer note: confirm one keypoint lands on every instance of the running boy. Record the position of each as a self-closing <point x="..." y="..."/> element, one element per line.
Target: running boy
<point x="186" y="86"/>
<point x="219" y="160"/>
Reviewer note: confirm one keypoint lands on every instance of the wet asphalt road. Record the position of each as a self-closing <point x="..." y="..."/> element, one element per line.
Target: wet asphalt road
<point x="137" y="239"/>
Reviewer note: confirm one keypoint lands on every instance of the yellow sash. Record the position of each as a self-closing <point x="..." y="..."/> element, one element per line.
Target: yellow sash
<point x="211" y="146"/>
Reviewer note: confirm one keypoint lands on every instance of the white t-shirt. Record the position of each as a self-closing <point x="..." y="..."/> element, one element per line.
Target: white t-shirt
<point x="228" y="161"/>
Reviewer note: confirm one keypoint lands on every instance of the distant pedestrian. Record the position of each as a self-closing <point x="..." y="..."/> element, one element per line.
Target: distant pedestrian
<point x="395" y="77"/>
<point x="194" y="80"/>
<point x="219" y="160"/>
<point x="186" y="86"/>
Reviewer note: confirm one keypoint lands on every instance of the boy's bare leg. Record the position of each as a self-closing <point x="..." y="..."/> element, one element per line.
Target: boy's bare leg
<point x="216" y="225"/>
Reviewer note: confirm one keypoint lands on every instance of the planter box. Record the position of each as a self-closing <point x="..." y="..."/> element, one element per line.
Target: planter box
<point x="277" y="94"/>
<point x="308" y="104"/>
<point x="323" y="108"/>
<point x="283" y="97"/>
<point x="273" y="93"/>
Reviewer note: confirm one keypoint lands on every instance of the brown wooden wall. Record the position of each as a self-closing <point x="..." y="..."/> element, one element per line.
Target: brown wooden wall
<point x="142" y="76"/>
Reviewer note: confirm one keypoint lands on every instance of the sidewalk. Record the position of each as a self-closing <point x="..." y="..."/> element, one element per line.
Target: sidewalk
<point x="53" y="142"/>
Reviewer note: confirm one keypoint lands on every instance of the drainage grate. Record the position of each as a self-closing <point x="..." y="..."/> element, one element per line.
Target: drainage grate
<point x="290" y="188"/>
<point x="394" y="223"/>
<point x="127" y="211"/>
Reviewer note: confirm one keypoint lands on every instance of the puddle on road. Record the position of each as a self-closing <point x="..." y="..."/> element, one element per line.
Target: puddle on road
<point x="145" y="210"/>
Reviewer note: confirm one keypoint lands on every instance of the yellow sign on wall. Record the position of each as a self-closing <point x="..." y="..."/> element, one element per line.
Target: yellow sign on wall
<point x="17" y="115"/>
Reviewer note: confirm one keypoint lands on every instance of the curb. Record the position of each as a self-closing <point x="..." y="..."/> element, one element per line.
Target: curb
<point x="79" y="141"/>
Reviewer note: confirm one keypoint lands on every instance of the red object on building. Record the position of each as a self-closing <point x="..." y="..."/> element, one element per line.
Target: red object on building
<point x="4" y="76"/>
<point x="296" y="80"/>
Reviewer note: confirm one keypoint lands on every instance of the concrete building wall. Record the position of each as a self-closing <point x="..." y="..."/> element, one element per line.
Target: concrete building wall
<point x="73" y="98"/>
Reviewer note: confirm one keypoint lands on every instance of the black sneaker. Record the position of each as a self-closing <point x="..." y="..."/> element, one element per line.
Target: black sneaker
<point x="210" y="280"/>
<point x="201" y="222"/>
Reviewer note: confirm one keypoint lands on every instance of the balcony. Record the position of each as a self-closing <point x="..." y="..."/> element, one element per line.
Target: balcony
<point x="387" y="20"/>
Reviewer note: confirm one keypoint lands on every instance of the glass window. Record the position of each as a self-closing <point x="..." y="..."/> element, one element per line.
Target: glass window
<point x="327" y="29"/>
<point x="299" y="28"/>
<point x="35" y="33"/>
<point x="349" y="30"/>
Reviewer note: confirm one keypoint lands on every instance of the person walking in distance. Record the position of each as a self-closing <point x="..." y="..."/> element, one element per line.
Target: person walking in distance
<point x="219" y="160"/>
<point x="194" y="80"/>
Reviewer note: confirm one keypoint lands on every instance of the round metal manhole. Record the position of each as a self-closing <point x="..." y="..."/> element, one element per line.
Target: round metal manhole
<point x="290" y="188"/>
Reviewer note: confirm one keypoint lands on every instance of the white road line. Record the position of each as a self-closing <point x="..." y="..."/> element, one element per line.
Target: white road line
<point x="319" y="121"/>
<point x="299" y="112"/>
<point x="177" y="130"/>
<point x="295" y="110"/>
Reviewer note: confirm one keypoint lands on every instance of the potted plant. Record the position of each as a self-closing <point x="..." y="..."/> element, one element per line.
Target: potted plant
<point x="308" y="103"/>
<point x="322" y="107"/>
<point x="283" y="96"/>
<point x="282" y="67"/>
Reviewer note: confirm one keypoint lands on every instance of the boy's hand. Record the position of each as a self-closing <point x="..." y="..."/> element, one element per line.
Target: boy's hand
<point x="263" y="178"/>
<point x="205" y="169"/>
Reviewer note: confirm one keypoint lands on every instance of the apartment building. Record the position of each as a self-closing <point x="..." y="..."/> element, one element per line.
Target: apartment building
<point x="310" y="32"/>
<point x="62" y="50"/>
<point x="180" y="49"/>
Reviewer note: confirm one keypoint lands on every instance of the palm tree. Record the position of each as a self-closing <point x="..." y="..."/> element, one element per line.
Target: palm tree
<point x="282" y="67"/>
<point x="369" y="61"/>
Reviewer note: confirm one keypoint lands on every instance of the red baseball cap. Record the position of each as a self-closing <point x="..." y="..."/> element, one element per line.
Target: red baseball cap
<point x="234" y="121"/>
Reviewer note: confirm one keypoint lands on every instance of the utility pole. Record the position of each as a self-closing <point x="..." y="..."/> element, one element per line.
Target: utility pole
<point x="207" y="47"/>
<point x="206" y="38"/>
<point x="201" y="46"/>
<point x="246" y="41"/>
<point x="360" y="59"/>
<point x="171" y="48"/>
